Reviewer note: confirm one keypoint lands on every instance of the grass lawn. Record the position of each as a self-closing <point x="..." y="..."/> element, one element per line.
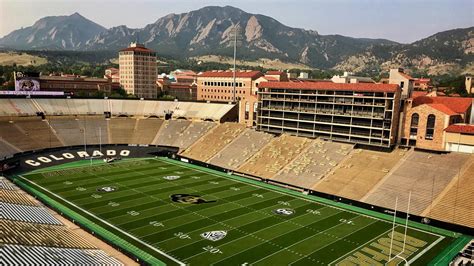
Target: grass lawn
<point x="181" y="213"/>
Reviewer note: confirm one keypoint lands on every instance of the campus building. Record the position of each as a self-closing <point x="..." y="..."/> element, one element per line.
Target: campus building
<point x="81" y="86"/>
<point x="428" y="116"/>
<point x="362" y="113"/>
<point x="137" y="68"/>
<point x="217" y="86"/>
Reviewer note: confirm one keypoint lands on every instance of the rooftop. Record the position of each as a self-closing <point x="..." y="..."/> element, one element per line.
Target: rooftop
<point x="137" y="48"/>
<point x="461" y="128"/>
<point x="318" y="85"/>
<point x="229" y="74"/>
<point x="458" y="105"/>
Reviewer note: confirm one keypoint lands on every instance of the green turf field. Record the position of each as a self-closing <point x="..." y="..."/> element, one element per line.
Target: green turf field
<point x="181" y="213"/>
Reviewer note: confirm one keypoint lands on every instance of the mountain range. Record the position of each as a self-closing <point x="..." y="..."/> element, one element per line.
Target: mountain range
<point x="210" y="31"/>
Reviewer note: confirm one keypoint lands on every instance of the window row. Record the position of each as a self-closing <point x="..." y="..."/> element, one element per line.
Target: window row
<point x="223" y="84"/>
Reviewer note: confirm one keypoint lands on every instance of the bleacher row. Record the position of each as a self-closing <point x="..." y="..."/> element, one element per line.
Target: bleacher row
<point x="333" y="168"/>
<point x="144" y="108"/>
<point x="31" y="235"/>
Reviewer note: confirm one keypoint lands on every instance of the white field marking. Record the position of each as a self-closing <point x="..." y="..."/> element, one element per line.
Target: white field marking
<point x="46" y="170"/>
<point x="124" y="203"/>
<point x="270" y="241"/>
<point x="305" y="239"/>
<point x="426" y="249"/>
<point x="297" y="196"/>
<point x="171" y="218"/>
<point x="363" y="245"/>
<point x="282" y="247"/>
<point x="237" y="228"/>
<point x="203" y="216"/>
<point x="109" y="224"/>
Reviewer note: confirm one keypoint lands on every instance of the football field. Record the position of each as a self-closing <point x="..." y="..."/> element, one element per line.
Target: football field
<point x="185" y="214"/>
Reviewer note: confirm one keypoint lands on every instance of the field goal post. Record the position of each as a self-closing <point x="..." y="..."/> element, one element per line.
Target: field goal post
<point x="390" y="258"/>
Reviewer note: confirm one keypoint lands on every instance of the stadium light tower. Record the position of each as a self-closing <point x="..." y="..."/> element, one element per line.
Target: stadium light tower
<point x="236" y="38"/>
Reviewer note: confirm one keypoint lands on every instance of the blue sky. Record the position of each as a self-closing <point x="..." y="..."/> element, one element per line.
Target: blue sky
<point x="399" y="20"/>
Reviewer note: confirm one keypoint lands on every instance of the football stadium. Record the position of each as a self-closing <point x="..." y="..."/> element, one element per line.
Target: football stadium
<point x="138" y="182"/>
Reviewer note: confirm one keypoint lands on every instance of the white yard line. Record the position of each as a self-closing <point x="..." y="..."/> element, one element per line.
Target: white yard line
<point x="109" y="224"/>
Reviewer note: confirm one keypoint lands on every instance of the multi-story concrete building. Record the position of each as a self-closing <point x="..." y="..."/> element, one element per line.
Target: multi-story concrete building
<point x="403" y="80"/>
<point x="217" y="86"/>
<point x="113" y="74"/>
<point x="137" y="66"/>
<point x="362" y="113"/>
<point x="348" y="77"/>
<point x="426" y="118"/>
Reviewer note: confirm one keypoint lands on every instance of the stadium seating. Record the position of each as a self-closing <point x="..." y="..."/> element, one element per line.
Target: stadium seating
<point x="17" y="107"/>
<point x="5" y="184"/>
<point x="214" y="141"/>
<point x="94" y="128"/>
<point x="274" y="156"/>
<point x="121" y="130"/>
<point x="21" y="233"/>
<point x="424" y="174"/>
<point x="358" y="173"/>
<point x="169" y="131"/>
<point x="28" y="134"/>
<point x="456" y="204"/>
<point x="242" y="148"/>
<point x="33" y="255"/>
<point x="24" y="213"/>
<point x="67" y="129"/>
<point x="6" y="149"/>
<point x="146" y="130"/>
<point x="313" y="163"/>
<point x="192" y="133"/>
<point x="16" y="197"/>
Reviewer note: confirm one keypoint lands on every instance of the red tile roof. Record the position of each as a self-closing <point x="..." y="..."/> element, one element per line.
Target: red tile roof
<point x="406" y="75"/>
<point x="137" y="49"/>
<point x="274" y="72"/>
<point x="305" y="85"/>
<point x="228" y="74"/>
<point x="458" y="105"/>
<point x="415" y="94"/>
<point x="443" y="108"/>
<point x="461" y="128"/>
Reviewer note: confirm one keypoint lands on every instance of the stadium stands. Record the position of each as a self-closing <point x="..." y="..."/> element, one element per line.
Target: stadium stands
<point x="242" y="148"/>
<point x="146" y="130"/>
<point x="121" y="130"/>
<point x="313" y="163"/>
<point x="274" y="156"/>
<point x="67" y="129"/>
<point x="28" y="134"/>
<point x="424" y="174"/>
<point x="358" y="173"/>
<point x="24" y="213"/>
<point x="169" y="132"/>
<point x="192" y="133"/>
<point x="94" y="128"/>
<point x="6" y="149"/>
<point x="33" y="255"/>
<point x="188" y="110"/>
<point x="456" y="204"/>
<point x="214" y="141"/>
<point x="31" y="234"/>
<point x="16" y="197"/>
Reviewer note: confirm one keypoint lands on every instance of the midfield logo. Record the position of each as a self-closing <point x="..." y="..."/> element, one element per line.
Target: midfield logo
<point x="214" y="235"/>
<point x="284" y="211"/>
<point x="171" y="177"/>
<point x="189" y="199"/>
<point x="106" y="189"/>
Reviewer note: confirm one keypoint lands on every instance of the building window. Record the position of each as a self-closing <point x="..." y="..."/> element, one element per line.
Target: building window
<point x="402" y="84"/>
<point x="414" y="124"/>
<point x="247" y="110"/>
<point x="430" y="126"/>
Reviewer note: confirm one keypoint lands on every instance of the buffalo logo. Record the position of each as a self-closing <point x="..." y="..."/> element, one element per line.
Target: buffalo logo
<point x="284" y="211"/>
<point x="214" y="235"/>
<point x="171" y="177"/>
<point x="189" y="199"/>
<point x="106" y="189"/>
